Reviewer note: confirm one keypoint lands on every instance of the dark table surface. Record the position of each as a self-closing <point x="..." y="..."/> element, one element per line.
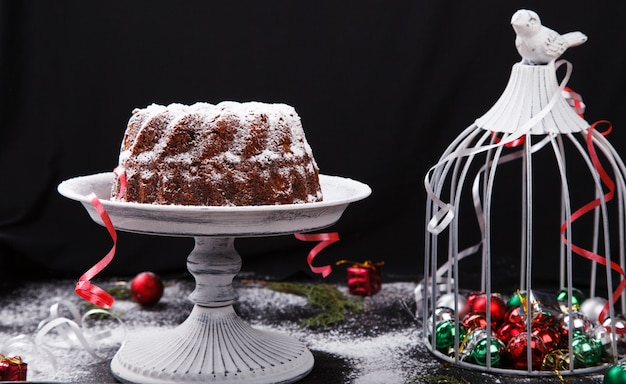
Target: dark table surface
<point x="381" y="344"/>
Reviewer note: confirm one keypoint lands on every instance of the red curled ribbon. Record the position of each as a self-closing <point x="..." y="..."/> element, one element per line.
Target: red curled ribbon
<point x="606" y="179"/>
<point x="84" y="287"/>
<point x="325" y="240"/>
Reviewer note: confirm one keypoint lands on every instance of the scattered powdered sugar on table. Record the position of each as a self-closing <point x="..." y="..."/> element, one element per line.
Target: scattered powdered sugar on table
<point x="266" y="299"/>
<point x="375" y="360"/>
<point x="378" y="356"/>
<point x="381" y="345"/>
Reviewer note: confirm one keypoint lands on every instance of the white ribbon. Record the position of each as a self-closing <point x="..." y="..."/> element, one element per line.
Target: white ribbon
<point x="71" y="331"/>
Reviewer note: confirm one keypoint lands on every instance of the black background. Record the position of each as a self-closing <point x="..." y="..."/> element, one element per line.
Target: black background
<point x="382" y="87"/>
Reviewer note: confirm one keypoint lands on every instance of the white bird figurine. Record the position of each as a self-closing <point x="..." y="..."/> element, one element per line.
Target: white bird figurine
<point x="538" y="44"/>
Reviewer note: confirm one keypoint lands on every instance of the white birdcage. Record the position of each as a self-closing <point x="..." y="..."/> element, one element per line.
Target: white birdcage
<point x="490" y="184"/>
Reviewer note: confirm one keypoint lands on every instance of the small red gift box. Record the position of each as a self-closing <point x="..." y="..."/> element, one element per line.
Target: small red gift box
<point x="12" y="368"/>
<point x="363" y="278"/>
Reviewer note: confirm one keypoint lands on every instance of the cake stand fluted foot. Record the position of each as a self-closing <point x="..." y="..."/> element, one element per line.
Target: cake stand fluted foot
<point x="212" y="345"/>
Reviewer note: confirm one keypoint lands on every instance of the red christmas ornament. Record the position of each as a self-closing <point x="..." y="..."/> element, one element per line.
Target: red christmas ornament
<point x="146" y="288"/>
<point x="518" y="347"/>
<point x="471" y="298"/>
<point x="498" y="307"/>
<point x="509" y="330"/>
<point x="516" y="315"/>
<point x="475" y="320"/>
<point x="550" y="336"/>
<point x="546" y="316"/>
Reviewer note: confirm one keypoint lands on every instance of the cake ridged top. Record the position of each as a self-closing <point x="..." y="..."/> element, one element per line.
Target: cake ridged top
<point x="209" y="153"/>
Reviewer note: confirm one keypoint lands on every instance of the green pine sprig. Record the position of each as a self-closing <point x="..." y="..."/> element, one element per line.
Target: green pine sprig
<point x="333" y="303"/>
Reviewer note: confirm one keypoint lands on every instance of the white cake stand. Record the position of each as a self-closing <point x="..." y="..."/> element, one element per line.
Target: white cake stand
<point x="214" y="344"/>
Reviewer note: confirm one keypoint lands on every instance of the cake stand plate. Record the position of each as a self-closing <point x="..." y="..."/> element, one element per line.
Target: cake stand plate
<point x="214" y="344"/>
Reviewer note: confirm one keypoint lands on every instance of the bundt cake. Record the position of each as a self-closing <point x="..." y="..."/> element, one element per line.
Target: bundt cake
<point x="228" y="154"/>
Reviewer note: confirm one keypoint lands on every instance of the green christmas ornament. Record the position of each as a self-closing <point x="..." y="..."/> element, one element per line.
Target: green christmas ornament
<point x="577" y="299"/>
<point x="480" y="352"/>
<point x="586" y="350"/>
<point x="515" y="300"/>
<point x="445" y="332"/>
<point x="615" y="375"/>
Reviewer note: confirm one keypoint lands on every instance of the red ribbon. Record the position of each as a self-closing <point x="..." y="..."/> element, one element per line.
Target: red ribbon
<point x="325" y="240"/>
<point x="84" y="287"/>
<point x="606" y="179"/>
<point x="515" y="143"/>
<point x="575" y="100"/>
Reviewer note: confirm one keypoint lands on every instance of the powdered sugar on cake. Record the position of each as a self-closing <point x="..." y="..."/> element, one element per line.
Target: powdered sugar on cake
<point x="225" y="154"/>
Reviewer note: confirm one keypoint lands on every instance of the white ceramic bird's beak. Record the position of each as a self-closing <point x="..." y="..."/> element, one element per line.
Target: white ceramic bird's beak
<point x="516" y="16"/>
<point x="517" y="21"/>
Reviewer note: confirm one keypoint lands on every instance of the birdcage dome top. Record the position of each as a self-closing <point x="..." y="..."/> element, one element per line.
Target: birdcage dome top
<point x="533" y="102"/>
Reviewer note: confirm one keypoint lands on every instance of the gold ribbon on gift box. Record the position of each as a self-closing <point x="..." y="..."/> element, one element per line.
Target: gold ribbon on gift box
<point x="16" y="360"/>
<point x="366" y="264"/>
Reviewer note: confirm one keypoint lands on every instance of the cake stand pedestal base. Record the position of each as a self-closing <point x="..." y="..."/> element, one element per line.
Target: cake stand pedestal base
<point x="213" y="344"/>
